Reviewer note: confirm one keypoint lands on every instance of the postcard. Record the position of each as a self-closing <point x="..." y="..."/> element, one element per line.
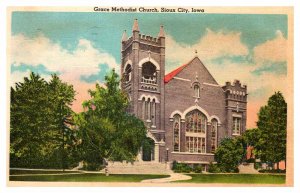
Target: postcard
<point x="150" y="96"/>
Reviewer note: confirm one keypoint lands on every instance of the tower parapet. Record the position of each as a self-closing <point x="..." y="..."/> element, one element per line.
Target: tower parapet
<point x="235" y="91"/>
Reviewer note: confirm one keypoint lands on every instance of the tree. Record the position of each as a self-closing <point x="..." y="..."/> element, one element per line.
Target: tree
<point x="251" y="138"/>
<point x="230" y="154"/>
<point x="40" y="112"/>
<point x="106" y="130"/>
<point x="272" y="122"/>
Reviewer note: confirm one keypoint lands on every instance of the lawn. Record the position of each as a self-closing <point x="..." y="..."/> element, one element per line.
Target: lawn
<point x="87" y="177"/>
<point x="236" y="178"/>
<point x="21" y="172"/>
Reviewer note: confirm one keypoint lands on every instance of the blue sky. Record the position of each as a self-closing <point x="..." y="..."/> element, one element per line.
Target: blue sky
<point x="82" y="47"/>
<point x="105" y="29"/>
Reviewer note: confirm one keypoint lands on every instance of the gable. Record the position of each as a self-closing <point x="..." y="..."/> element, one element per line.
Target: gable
<point x="190" y="70"/>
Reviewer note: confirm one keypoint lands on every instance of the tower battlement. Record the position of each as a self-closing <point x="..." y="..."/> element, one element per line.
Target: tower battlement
<point x="235" y="90"/>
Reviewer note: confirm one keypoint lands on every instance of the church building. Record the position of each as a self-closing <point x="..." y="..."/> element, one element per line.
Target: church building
<point x="187" y="113"/>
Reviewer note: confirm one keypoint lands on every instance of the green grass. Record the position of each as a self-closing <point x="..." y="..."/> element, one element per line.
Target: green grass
<point x="236" y="178"/>
<point x="87" y="178"/>
<point x="19" y="172"/>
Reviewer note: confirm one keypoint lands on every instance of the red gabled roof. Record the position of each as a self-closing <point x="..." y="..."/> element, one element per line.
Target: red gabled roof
<point x="169" y="76"/>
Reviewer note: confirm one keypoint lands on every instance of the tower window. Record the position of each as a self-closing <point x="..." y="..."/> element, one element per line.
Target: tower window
<point x="149" y="74"/>
<point x="236" y="129"/>
<point x="127" y="73"/>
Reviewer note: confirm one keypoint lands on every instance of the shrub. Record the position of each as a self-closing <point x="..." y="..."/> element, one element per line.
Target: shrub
<point x="251" y="160"/>
<point x="92" y="166"/>
<point x="257" y="165"/>
<point x="271" y="171"/>
<point x="181" y="167"/>
<point x="213" y="168"/>
<point x="197" y="168"/>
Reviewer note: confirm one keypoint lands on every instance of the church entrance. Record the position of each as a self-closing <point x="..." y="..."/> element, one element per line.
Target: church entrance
<point x="148" y="150"/>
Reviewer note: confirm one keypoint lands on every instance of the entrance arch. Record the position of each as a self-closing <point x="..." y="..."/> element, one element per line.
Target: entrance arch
<point x="148" y="149"/>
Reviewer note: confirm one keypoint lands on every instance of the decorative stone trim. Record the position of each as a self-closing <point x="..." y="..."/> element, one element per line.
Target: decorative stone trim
<point x="189" y="153"/>
<point x="148" y="97"/>
<point x="149" y="59"/>
<point x="183" y="79"/>
<point x="209" y="84"/>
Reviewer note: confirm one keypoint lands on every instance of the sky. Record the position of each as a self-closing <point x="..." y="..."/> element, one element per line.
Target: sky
<point x="82" y="47"/>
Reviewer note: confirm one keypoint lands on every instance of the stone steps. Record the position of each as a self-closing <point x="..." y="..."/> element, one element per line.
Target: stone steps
<point x="247" y="169"/>
<point x="138" y="168"/>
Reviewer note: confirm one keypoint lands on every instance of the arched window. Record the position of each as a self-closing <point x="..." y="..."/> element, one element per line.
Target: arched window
<point x="127" y="73"/>
<point x="197" y="91"/>
<point x="214" y="132"/>
<point x="149" y="111"/>
<point x="176" y="133"/>
<point x="195" y="132"/>
<point x="153" y="113"/>
<point x="149" y="74"/>
<point x="196" y="122"/>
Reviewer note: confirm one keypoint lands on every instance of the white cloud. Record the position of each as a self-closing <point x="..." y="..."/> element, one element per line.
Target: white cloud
<point x="219" y="44"/>
<point x="211" y="45"/>
<point x="274" y="50"/>
<point x="84" y="60"/>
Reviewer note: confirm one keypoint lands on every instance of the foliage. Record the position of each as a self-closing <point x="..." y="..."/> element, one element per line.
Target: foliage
<point x="272" y="171"/>
<point x="181" y="167"/>
<point x="230" y="154"/>
<point x="197" y="168"/>
<point x="213" y="168"/>
<point x="257" y="165"/>
<point x="272" y="122"/>
<point x="251" y="160"/>
<point x="106" y="130"/>
<point x="40" y="135"/>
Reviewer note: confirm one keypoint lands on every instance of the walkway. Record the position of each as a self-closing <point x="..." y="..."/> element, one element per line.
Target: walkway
<point x="173" y="177"/>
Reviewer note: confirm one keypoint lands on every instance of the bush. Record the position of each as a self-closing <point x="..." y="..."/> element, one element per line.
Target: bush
<point x="257" y="165"/>
<point x="272" y="171"/>
<point x="197" y="168"/>
<point x="213" y="168"/>
<point x="251" y="160"/>
<point x="92" y="166"/>
<point x="181" y="167"/>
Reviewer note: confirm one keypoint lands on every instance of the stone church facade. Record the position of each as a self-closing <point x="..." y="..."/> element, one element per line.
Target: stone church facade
<point x="187" y="113"/>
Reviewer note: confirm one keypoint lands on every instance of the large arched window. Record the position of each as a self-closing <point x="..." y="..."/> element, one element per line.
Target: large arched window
<point x="195" y="132"/>
<point x="196" y="122"/>
<point x="176" y="133"/>
<point x="149" y="74"/>
<point x="214" y="132"/>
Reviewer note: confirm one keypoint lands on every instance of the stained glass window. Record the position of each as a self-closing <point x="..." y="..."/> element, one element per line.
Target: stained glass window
<point x="176" y="129"/>
<point x="195" y="122"/>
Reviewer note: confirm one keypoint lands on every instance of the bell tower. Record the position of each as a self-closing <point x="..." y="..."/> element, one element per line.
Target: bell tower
<point x="142" y="74"/>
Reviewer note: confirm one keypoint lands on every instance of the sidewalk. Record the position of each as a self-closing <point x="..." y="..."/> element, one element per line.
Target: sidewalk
<point x="173" y="177"/>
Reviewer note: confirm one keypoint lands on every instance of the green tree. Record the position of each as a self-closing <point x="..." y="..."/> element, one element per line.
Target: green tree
<point x="251" y="138"/>
<point x="230" y="154"/>
<point x="107" y="131"/>
<point x="39" y="118"/>
<point x="272" y="122"/>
